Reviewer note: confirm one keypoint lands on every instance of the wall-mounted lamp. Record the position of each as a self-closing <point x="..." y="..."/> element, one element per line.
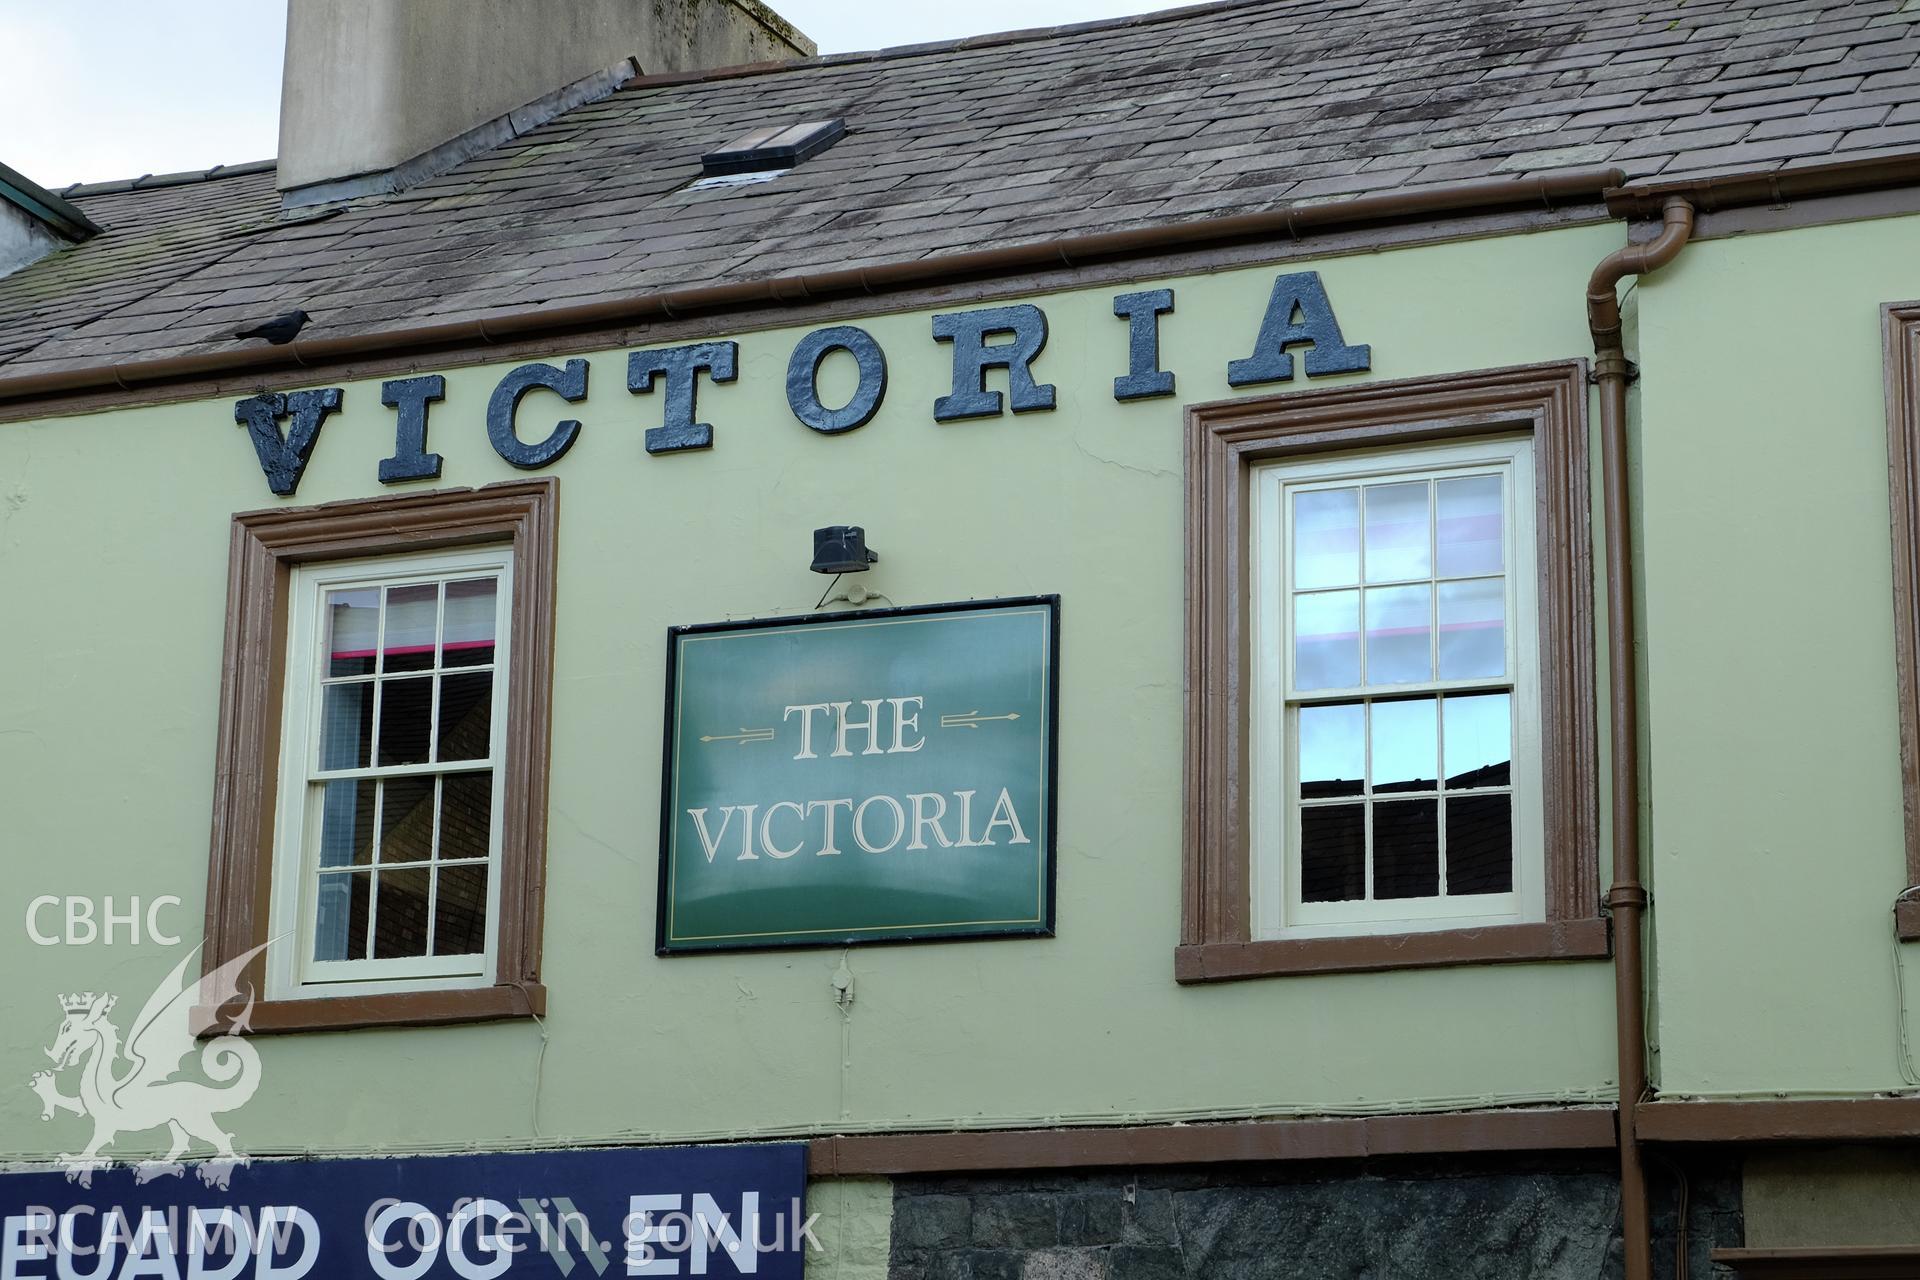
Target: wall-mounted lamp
<point x="841" y="548"/>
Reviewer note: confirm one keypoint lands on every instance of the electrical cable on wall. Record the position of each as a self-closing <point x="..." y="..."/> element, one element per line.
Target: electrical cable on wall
<point x="539" y="1063"/>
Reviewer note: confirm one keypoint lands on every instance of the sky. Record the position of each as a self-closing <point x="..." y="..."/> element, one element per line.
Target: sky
<point x="119" y="88"/>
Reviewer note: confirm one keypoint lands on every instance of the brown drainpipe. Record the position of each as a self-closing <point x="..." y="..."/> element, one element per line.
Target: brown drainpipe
<point x="1628" y="897"/>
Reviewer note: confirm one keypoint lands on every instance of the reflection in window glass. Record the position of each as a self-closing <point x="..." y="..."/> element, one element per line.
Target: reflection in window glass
<point x="406" y="819"/>
<point x="413" y="617"/>
<point x="1468" y="520"/>
<point x="1479" y="740"/>
<point x="346" y="822"/>
<point x="402" y="912"/>
<point x="1406" y="745"/>
<point x="466" y="716"/>
<point x="345" y="904"/>
<point x="1326" y="648"/>
<point x="1333" y="853"/>
<point x="466" y="815"/>
<point x="1397" y="541"/>
<point x="406" y="720"/>
<point x="346" y="726"/>
<point x="1326" y="538"/>
<point x="460" y="911"/>
<point x="1399" y="635"/>
<point x="1480" y="844"/>
<point x="353" y="631"/>
<point x="469" y="627"/>
<point x="1473" y="629"/>
<point x="1333" y="750"/>
<point x="1406" y="849"/>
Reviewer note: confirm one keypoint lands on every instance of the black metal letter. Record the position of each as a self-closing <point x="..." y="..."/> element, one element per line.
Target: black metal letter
<point x="570" y="383"/>
<point x="284" y="457"/>
<point x="1142" y="311"/>
<point x="967" y="331"/>
<point x="1301" y="292"/>
<point x="803" y="374"/>
<point x="682" y="365"/>
<point x="411" y="396"/>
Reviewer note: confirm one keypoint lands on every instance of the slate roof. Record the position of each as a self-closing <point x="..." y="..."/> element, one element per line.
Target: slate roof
<point x="993" y="141"/>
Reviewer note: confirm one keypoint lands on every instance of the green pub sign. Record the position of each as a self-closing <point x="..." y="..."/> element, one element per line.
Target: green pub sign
<point x="867" y="777"/>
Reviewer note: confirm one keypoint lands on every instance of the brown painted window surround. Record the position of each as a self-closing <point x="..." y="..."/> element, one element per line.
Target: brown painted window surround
<point x="1225" y="441"/>
<point x="1901" y="324"/>
<point x="265" y="545"/>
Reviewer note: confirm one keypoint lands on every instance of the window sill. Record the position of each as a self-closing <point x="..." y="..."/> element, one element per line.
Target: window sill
<point x="394" y="1009"/>
<point x="1497" y="944"/>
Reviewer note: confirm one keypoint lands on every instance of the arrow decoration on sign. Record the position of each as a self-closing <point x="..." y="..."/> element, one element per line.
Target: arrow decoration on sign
<point x="743" y="737"/>
<point x="972" y="719"/>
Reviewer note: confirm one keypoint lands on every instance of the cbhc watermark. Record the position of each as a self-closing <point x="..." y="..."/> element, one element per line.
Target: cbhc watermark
<point x="80" y="922"/>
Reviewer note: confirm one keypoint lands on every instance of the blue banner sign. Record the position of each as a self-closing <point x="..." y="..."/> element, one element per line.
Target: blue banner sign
<point x="574" y="1215"/>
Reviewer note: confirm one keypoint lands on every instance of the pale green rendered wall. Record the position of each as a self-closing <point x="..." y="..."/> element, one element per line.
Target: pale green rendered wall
<point x="854" y="1230"/>
<point x="113" y="547"/>
<point x="1774" y="764"/>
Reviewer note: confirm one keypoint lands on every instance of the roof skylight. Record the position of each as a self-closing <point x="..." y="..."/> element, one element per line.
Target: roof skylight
<point x="772" y="149"/>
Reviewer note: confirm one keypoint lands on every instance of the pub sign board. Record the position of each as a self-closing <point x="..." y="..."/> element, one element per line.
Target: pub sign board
<point x="874" y="777"/>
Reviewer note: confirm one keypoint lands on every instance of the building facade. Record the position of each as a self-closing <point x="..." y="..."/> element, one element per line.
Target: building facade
<point x="1416" y="775"/>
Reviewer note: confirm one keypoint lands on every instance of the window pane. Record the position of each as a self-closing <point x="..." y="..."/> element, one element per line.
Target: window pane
<point x="1479" y="740"/>
<point x="1333" y="750"/>
<point x="406" y="820"/>
<point x="1468" y="521"/>
<point x="346" y="726"/>
<point x="1326" y="538"/>
<point x="401" y="928"/>
<point x="353" y="621"/>
<point x="1479" y="844"/>
<point x="460" y="912"/>
<point x="1326" y="640"/>
<point x="346" y="822"/>
<point x="466" y="815"/>
<point x="406" y="708"/>
<point x="468" y="638"/>
<point x="1406" y="849"/>
<point x="466" y="716"/>
<point x="1397" y="532"/>
<point x="412" y="619"/>
<point x="1399" y="635"/>
<point x="1473" y="629"/>
<point x="1406" y="745"/>
<point x="340" y="927"/>
<point x="1333" y="853"/>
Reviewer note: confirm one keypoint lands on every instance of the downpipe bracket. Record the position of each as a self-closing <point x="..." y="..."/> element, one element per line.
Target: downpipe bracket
<point x="1627" y="895"/>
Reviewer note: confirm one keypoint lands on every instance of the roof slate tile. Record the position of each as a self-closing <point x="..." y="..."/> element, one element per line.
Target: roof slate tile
<point x="986" y="142"/>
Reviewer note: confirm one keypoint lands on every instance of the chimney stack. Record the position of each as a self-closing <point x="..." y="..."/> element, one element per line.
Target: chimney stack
<point x="380" y="94"/>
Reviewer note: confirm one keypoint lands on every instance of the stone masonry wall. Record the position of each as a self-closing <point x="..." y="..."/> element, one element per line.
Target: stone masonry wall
<point x="1453" y="1220"/>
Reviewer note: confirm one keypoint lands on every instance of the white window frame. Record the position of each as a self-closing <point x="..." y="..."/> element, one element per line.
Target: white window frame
<point x="292" y="973"/>
<point x="1276" y="910"/>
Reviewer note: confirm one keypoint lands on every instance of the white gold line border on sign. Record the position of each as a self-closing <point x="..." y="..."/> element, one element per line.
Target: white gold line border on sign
<point x="972" y="719"/>
<point x="743" y="737"/>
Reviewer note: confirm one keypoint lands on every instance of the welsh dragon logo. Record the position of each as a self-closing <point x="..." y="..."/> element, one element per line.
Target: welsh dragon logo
<point x="129" y="1087"/>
